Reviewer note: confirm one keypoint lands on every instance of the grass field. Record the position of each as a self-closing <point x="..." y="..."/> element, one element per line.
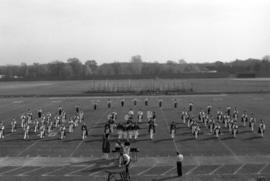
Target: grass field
<point x="60" y="88"/>
<point x="208" y="158"/>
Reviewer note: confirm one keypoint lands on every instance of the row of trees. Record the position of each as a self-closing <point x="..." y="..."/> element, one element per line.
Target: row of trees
<point x="73" y="68"/>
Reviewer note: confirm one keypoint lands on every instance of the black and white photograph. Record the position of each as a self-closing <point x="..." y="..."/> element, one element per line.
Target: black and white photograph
<point x="134" y="90"/>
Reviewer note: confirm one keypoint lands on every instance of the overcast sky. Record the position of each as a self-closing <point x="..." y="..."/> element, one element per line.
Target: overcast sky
<point x="114" y="30"/>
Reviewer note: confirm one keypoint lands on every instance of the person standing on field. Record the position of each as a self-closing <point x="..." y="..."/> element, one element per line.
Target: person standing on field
<point x="106" y="146"/>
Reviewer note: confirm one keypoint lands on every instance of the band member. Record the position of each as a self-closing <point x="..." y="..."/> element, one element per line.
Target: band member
<point x="173" y="129"/>
<point x="60" y="110"/>
<point x="84" y="131"/>
<point x="81" y="116"/>
<point x="252" y="121"/>
<point x="196" y="130"/>
<point x="234" y="129"/>
<point x="235" y="113"/>
<point x="217" y="130"/>
<point x="119" y="129"/>
<point x="184" y="115"/>
<point x="140" y="116"/>
<point x="23" y="120"/>
<point x="26" y="131"/>
<point x="122" y="102"/>
<point x="211" y="124"/>
<point x="50" y="126"/>
<point x="109" y="103"/>
<point x="261" y="128"/>
<point x="77" y="109"/>
<point x="62" y="132"/>
<point x="13" y="125"/>
<point x="209" y="109"/>
<point x="42" y="131"/>
<point x="36" y="125"/>
<point x="135" y="102"/>
<point x="175" y="103"/>
<point x="146" y="101"/>
<point x="228" y="110"/>
<point x="190" y="106"/>
<point x="136" y="131"/>
<point x="95" y="106"/>
<point x="131" y="114"/>
<point x="39" y="113"/>
<point x="244" y="118"/>
<point x="151" y="128"/>
<point x="107" y="129"/>
<point x="160" y="102"/>
<point x="71" y="125"/>
<point x="219" y="116"/>
<point x="2" y="130"/>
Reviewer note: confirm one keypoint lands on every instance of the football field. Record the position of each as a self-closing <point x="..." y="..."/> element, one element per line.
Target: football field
<point x="245" y="157"/>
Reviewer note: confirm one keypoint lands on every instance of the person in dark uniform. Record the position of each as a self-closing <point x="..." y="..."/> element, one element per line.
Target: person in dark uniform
<point x="39" y="113"/>
<point x="60" y="110"/>
<point x="190" y="106"/>
<point x="175" y="104"/>
<point x="160" y="102"/>
<point x="77" y="109"/>
<point x="95" y="106"/>
<point x="84" y="131"/>
<point x="146" y="101"/>
<point x="106" y="146"/>
<point x="122" y="102"/>
<point x="209" y="109"/>
<point x="109" y="103"/>
<point x="135" y="102"/>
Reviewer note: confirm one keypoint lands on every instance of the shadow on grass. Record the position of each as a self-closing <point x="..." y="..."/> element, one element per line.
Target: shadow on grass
<point x="253" y="138"/>
<point x="186" y="139"/>
<point x="161" y="140"/>
<point x="166" y="178"/>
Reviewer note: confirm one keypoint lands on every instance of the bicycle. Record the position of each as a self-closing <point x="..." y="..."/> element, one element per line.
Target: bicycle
<point x="118" y="175"/>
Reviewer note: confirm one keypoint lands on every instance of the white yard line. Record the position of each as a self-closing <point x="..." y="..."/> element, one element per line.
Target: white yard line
<point x="216" y="169"/>
<point x="168" y="127"/>
<point x="11" y="170"/>
<point x="29" y="171"/>
<point x="146" y="170"/>
<point x="81" y="142"/>
<point x="169" y="170"/>
<point x="102" y="166"/>
<point x="49" y="173"/>
<point x="236" y="171"/>
<point x="260" y="171"/>
<point x="230" y="150"/>
<point x="27" y="148"/>
<point x="78" y="170"/>
<point x="192" y="169"/>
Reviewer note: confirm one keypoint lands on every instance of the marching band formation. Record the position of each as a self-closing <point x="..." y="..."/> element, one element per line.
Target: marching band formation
<point x="47" y="125"/>
<point x="217" y="123"/>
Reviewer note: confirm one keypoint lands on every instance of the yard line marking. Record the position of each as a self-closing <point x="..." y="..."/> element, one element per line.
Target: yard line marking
<point x="235" y="172"/>
<point x="75" y="171"/>
<point x="96" y="172"/>
<point x="81" y="142"/>
<point x="216" y="169"/>
<point x="11" y="170"/>
<point x="168" y="127"/>
<point x="49" y="173"/>
<point x="27" y="148"/>
<point x="29" y="171"/>
<point x="146" y="170"/>
<point x="260" y="171"/>
<point x="169" y="170"/>
<point x="191" y="170"/>
<point x="230" y="150"/>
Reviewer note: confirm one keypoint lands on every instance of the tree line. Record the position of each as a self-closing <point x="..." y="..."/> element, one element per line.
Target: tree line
<point x="73" y="68"/>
